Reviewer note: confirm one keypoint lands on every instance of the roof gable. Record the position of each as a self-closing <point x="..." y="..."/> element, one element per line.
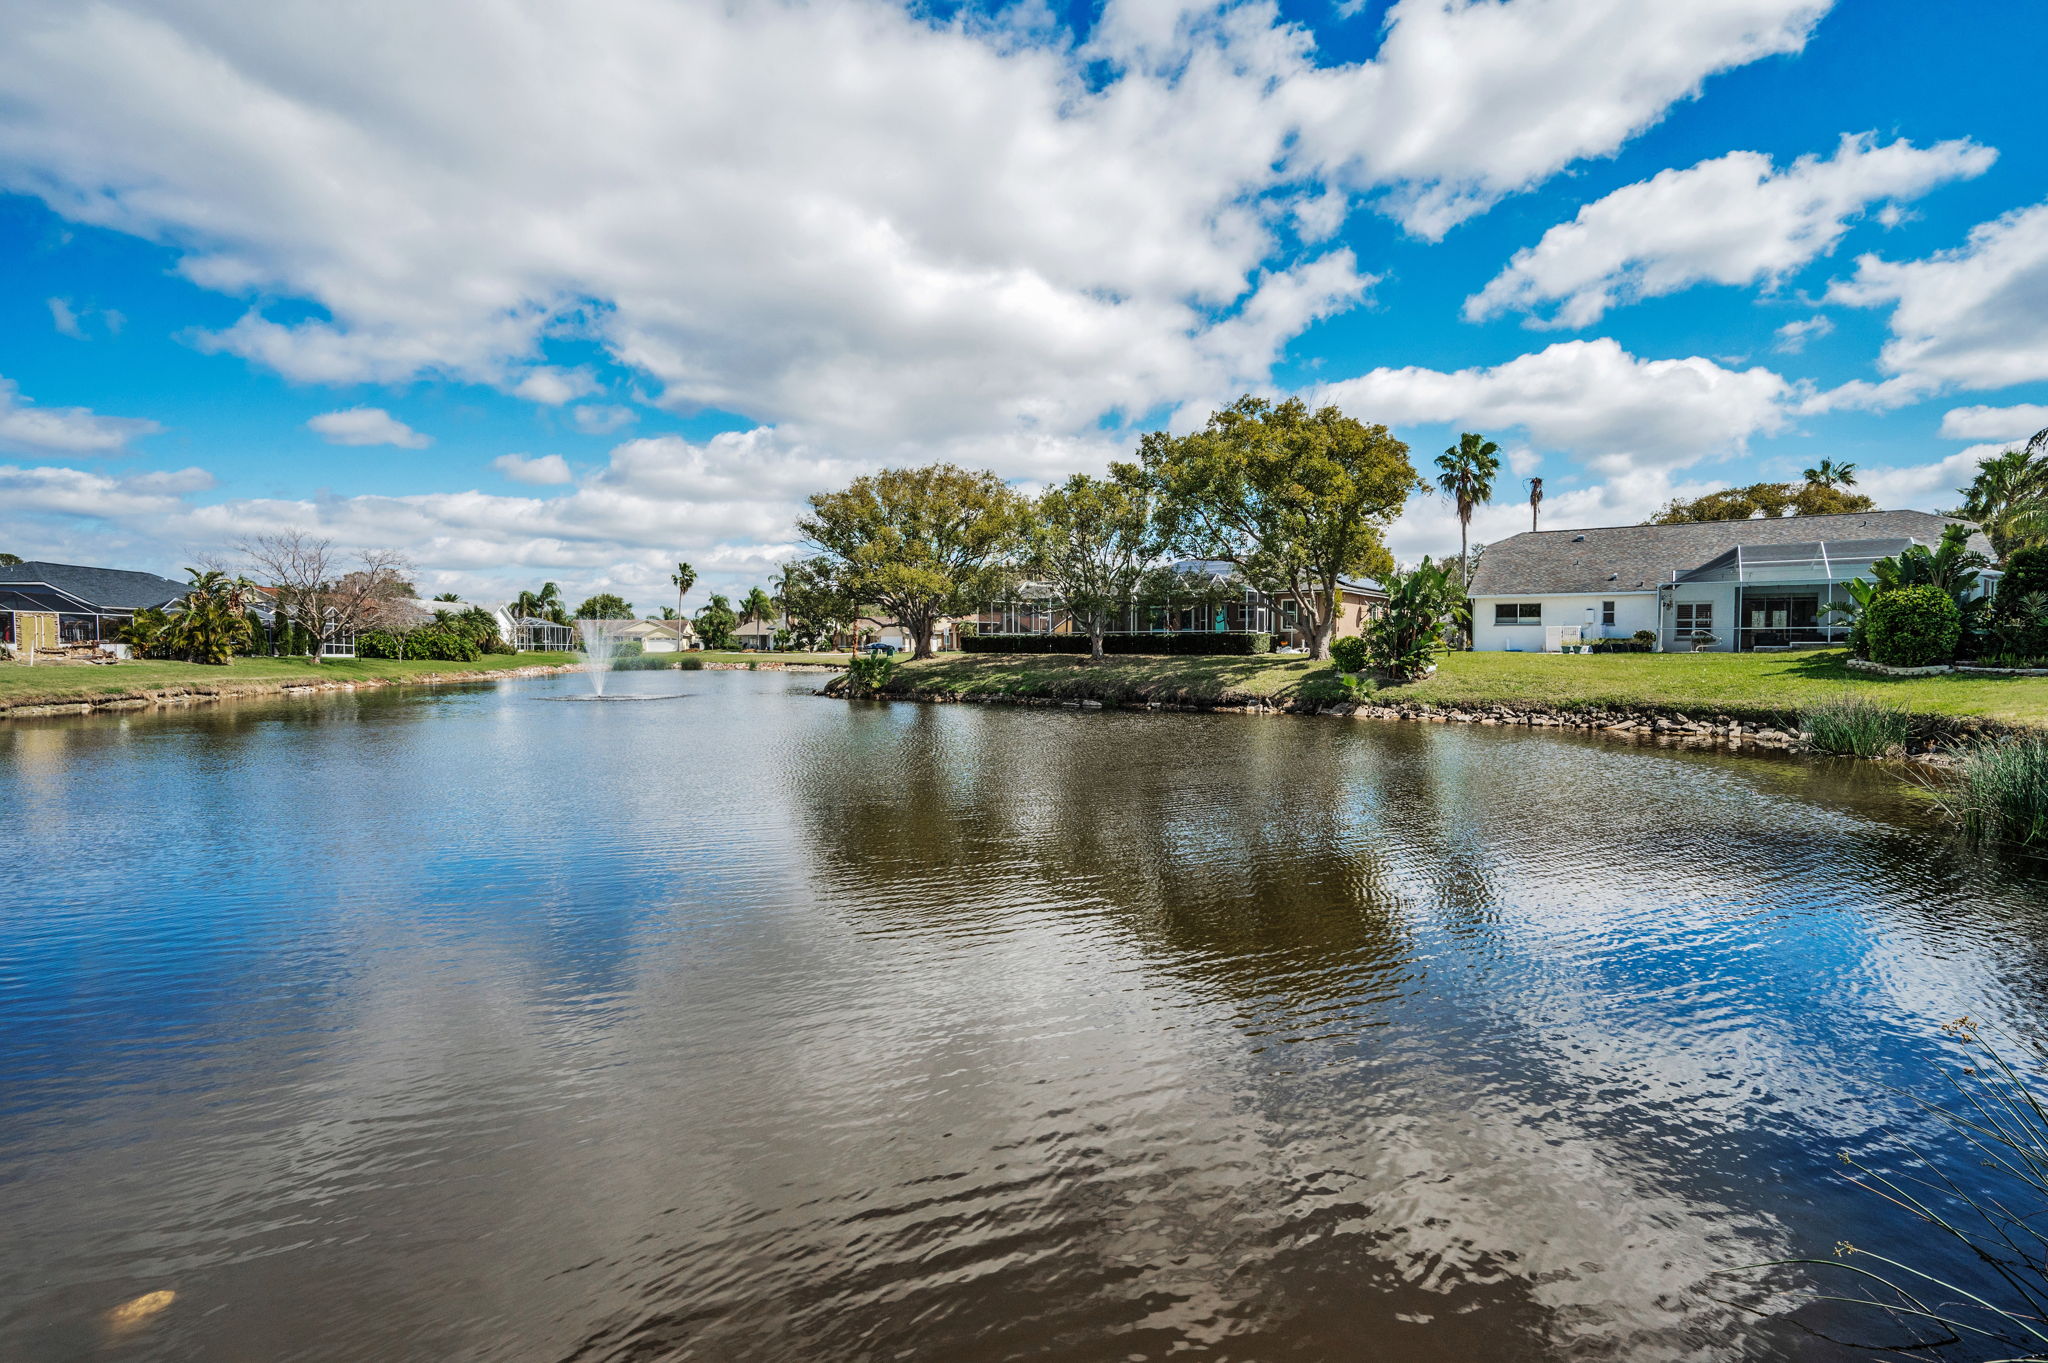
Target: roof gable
<point x="107" y="588"/>
<point x="1633" y="558"/>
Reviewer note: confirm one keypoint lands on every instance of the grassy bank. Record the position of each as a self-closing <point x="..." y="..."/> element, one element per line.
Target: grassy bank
<point x="1743" y="685"/>
<point x="54" y="685"/>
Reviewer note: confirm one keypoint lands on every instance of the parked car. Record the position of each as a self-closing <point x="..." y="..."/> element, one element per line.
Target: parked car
<point x="875" y="648"/>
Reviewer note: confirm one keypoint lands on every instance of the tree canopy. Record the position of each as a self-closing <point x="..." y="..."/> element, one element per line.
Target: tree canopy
<point x="1091" y="541"/>
<point x="1296" y="500"/>
<point x="2009" y="497"/>
<point x="714" y="622"/>
<point x="605" y="606"/>
<point x="1765" y="499"/>
<point x="919" y="544"/>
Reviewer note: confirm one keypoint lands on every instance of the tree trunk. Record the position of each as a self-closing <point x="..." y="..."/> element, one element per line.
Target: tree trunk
<point x="1095" y="640"/>
<point x="923" y="630"/>
<point x="1464" y="553"/>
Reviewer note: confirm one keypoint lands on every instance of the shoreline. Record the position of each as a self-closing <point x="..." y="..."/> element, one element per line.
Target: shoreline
<point x="1766" y="718"/>
<point x="180" y="696"/>
<point x="61" y="702"/>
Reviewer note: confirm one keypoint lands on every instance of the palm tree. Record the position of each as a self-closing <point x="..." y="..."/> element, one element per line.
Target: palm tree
<point x="684" y="578"/>
<point x="1467" y="479"/>
<point x="758" y="606"/>
<point x="552" y="607"/>
<point x="1828" y="473"/>
<point x="1535" y="502"/>
<point x="2009" y="497"/>
<point x="210" y="624"/>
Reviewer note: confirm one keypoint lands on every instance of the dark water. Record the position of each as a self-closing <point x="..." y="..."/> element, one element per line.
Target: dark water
<point x="451" y="1025"/>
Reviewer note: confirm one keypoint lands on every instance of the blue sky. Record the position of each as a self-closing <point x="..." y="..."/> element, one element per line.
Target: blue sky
<point x="528" y="292"/>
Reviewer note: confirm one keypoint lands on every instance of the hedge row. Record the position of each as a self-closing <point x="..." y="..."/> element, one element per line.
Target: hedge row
<point x="1236" y="642"/>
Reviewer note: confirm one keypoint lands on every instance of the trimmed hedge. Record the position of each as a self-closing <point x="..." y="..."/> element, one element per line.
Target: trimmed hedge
<point x="1619" y="646"/>
<point x="1233" y="642"/>
<point x="1913" y="627"/>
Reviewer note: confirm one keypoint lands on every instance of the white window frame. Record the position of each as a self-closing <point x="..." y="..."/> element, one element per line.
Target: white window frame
<point x="1521" y="618"/>
<point x="1702" y="613"/>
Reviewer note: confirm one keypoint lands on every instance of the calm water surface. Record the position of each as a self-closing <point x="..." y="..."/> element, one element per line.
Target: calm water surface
<point x="457" y="1025"/>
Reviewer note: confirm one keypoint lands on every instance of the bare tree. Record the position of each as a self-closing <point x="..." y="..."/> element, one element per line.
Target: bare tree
<point x="311" y="592"/>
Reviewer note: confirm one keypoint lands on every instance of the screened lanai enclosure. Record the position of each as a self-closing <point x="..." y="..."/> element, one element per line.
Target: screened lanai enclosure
<point x="1773" y="596"/>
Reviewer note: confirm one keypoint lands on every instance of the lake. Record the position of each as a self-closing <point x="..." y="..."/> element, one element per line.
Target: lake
<point x="455" y="1024"/>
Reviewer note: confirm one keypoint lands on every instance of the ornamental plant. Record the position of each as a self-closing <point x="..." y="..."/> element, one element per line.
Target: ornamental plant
<point x="1349" y="654"/>
<point x="1917" y="626"/>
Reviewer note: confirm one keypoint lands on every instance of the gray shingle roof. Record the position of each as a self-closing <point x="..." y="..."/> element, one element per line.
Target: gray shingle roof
<point x="1625" y="558"/>
<point x="107" y="588"/>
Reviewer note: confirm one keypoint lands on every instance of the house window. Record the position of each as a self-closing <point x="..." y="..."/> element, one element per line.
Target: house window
<point x="1518" y="612"/>
<point x="1607" y="614"/>
<point x="1695" y="617"/>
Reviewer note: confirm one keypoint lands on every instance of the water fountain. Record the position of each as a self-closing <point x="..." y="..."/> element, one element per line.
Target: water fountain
<point x="600" y="645"/>
<point x="600" y="640"/>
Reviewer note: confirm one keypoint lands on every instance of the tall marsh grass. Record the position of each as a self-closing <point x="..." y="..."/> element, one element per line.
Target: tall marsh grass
<point x="1855" y="726"/>
<point x="2000" y="792"/>
<point x="1987" y="1196"/>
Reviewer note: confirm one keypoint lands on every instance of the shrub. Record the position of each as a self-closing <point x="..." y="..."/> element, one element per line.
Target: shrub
<point x="2026" y="570"/>
<point x="870" y="672"/>
<point x="2001" y="791"/>
<point x="1913" y="627"/>
<point x="1231" y="642"/>
<point x="1855" y="726"/>
<point x="378" y="643"/>
<point x="1338" y="688"/>
<point x="2019" y="624"/>
<point x="691" y="664"/>
<point x="1349" y="654"/>
<point x="1406" y="637"/>
<point x="1635" y="645"/>
<point x="1646" y="637"/>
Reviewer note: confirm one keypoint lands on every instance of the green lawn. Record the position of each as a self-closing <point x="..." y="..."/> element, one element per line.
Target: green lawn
<point x="21" y="684"/>
<point x="1746" y="685"/>
<point x="714" y="655"/>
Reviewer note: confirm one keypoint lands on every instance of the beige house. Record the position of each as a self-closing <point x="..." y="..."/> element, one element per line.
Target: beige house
<point x="662" y="636"/>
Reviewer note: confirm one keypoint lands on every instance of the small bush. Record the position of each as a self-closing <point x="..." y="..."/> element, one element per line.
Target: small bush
<point x="1913" y="627"/>
<point x="1635" y="645"/>
<point x="1337" y="689"/>
<point x="1348" y="654"/>
<point x="1855" y="726"/>
<point x="2001" y="791"/>
<point x="379" y="643"/>
<point x="869" y="673"/>
<point x="1646" y="637"/>
<point x="691" y="664"/>
<point x="1230" y="642"/>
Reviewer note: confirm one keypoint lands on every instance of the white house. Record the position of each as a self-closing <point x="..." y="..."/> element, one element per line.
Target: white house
<point x="1756" y="584"/>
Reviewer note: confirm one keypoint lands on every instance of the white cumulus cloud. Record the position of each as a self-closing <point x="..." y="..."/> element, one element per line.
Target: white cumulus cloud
<point x="843" y="216"/>
<point x="539" y="469"/>
<point x="64" y="430"/>
<point x="1736" y="219"/>
<point x="1792" y="337"/>
<point x="366" y="426"/>
<point x="1973" y="317"/>
<point x="1994" y="423"/>
<point x="1591" y="399"/>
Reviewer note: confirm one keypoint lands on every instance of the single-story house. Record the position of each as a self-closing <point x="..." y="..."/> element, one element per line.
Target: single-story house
<point x="43" y="605"/>
<point x="759" y="634"/>
<point x="1764" y="583"/>
<point x="1227" y="604"/>
<point x="661" y="636"/>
